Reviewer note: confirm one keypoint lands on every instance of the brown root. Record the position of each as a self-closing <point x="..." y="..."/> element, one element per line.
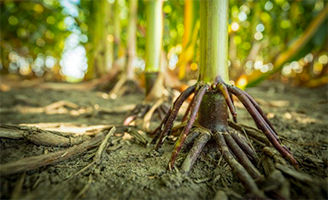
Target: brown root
<point x="150" y="112"/>
<point x="138" y="111"/>
<point x="244" y="146"/>
<point x="228" y="100"/>
<point x="186" y="115"/>
<point x="237" y="168"/>
<point x="124" y="86"/>
<point x="254" y="133"/>
<point x="263" y="125"/>
<point x="213" y="119"/>
<point x="242" y="157"/>
<point x="146" y="111"/>
<point x="193" y="114"/>
<point x="114" y="93"/>
<point x="155" y="92"/>
<point x="203" y="137"/>
<point x="154" y="86"/>
<point x="173" y="114"/>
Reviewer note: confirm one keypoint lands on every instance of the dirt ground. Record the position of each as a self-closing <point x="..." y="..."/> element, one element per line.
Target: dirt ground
<point x="129" y="169"/>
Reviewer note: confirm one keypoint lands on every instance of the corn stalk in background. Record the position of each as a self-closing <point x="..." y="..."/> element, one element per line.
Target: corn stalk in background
<point x="131" y="43"/>
<point x="154" y="34"/>
<point x="98" y="30"/>
<point x="116" y="29"/>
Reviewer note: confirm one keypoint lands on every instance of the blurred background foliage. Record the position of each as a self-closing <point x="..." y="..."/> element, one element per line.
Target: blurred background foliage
<point x="73" y="40"/>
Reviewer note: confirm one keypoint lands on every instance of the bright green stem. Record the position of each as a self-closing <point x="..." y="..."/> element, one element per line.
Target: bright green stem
<point x="153" y="35"/>
<point x="213" y="40"/>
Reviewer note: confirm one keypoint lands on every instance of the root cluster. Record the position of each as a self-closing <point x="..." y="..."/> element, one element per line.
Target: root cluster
<point x="235" y="150"/>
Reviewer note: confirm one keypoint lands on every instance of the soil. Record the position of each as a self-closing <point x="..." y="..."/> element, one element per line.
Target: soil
<point x="130" y="169"/>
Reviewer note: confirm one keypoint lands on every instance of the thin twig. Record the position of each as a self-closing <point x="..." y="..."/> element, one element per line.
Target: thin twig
<point x="34" y="162"/>
<point x="97" y="156"/>
<point x="140" y="137"/>
<point x="85" y="188"/>
<point x="39" y="136"/>
<point x="18" y="187"/>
